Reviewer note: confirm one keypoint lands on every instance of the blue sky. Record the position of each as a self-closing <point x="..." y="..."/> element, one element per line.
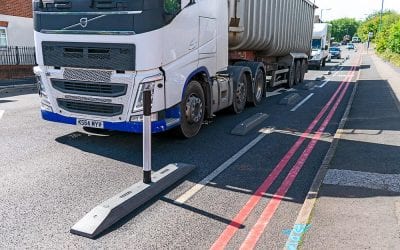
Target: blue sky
<point x="352" y="8"/>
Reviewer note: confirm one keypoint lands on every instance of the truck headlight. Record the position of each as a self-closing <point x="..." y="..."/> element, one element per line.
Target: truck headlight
<point x="40" y="86"/>
<point x="151" y="82"/>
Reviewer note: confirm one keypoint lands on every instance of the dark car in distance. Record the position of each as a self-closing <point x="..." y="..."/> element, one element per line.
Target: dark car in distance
<point x="335" y="52"/>
<point x="350" y="46"/>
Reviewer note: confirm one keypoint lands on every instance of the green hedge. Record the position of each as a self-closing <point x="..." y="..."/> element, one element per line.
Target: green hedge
<point x="387" y="37"/>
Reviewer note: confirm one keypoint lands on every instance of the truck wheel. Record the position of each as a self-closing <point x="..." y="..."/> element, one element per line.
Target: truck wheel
<point x="240" y="93"/>
<point x="304" y="67"/>
<point x="319" y="66"/>
<point x="192" y="110"/>
<point x="298" y="72"/>
<point x="259" y="87"/>
<point x="291" y="77"/>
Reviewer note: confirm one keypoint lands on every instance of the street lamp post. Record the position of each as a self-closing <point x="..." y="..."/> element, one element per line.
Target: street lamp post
<point x="380" y="22"/>
<point x="322" y="12"/>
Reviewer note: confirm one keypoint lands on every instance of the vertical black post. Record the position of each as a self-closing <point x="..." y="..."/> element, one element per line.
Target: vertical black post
<point x="18" y="61"/>
<point x="147" y="134"/>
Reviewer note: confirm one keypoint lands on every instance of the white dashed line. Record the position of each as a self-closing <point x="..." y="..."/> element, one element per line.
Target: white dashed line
<point x="2" y="113"/>
<point x="194" y="190"/>
<point x="302" y="102"/>
<point x="323" y="85"/>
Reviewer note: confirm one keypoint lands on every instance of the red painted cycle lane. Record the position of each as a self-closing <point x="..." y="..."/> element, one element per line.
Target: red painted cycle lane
<point x="232" y="228"/>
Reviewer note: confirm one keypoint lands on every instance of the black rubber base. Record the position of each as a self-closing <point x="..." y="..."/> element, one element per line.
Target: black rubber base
<point x="146" y="177"/>
<point x="109" y="212"/>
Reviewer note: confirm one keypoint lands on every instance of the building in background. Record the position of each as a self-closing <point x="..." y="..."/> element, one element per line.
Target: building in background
<point x="16" y="24"/>
<point x="17" y="53"/>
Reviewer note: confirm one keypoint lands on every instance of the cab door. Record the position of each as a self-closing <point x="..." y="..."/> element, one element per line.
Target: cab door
<point x="181" y="50"/>
<point x="181" y="35"/>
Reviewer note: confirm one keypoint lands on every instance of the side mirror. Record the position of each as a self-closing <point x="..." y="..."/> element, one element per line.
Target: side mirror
<point x="172" y="7"/>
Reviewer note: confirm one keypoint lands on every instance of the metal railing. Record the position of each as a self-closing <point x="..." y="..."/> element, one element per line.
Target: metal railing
<point x="13" y="55"/>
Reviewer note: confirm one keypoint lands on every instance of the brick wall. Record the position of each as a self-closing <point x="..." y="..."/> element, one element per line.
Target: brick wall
<point x="22" y="8"/>
<point x="15" y="71"/>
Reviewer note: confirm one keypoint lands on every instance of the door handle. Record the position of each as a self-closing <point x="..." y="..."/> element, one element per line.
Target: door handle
<point x="193" y="45"/>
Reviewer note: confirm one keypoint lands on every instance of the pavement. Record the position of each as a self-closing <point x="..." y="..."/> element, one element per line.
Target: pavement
<point x="358" y="204"/>
<point x="247" y="191"/>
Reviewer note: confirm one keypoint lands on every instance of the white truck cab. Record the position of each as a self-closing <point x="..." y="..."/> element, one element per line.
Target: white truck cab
<point x="200" y="56"/>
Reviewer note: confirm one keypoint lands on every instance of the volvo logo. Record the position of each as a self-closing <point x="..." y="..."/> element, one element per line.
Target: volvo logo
<point x="83" y="22"/>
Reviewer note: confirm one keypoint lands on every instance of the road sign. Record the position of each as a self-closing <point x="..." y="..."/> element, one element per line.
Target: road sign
<point x="371" y="34"/>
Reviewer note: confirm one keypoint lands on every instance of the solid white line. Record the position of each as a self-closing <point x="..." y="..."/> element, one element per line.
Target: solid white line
<point x="302" y="102"/>
<point x="2" y="113"/>
<point x="348" y="178"/>
<point x="323" y="85"/>
<point x="191" y="192"/>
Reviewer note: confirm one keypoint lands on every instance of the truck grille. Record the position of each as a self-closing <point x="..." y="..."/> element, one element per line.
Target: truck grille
<point x="90" y="108"/>
<point x="90" y="88"/>
<point x="87" y="75"/>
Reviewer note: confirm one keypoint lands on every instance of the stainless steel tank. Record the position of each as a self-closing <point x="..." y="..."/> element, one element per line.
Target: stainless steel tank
<point x="273" y="27"/>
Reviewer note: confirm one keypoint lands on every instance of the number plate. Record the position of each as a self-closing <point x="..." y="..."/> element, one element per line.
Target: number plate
<point x="89" y="123"/>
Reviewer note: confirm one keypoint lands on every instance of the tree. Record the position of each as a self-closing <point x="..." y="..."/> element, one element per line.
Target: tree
<point x="382" y="38"/>
<point x="394" y="38"/>
<point x="344" y="26"/>
<point x="386" y="37"/>
<point x="371" y="24"/>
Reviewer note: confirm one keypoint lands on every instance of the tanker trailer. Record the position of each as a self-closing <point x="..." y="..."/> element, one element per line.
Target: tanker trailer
<point x="275" y="32"/>
<point x="95" y="57"/>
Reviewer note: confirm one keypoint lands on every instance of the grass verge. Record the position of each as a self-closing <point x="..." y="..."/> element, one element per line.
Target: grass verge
<point x="392" y="57"/>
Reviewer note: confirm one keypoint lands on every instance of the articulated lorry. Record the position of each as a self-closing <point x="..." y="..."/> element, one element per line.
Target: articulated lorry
<point x="198" y="57"/>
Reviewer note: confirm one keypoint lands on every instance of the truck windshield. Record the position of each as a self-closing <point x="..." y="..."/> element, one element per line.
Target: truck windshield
<point x="316" y="44"/>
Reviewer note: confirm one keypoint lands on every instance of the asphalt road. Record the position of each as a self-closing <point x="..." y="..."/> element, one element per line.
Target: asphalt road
<point x="52" y="174"/>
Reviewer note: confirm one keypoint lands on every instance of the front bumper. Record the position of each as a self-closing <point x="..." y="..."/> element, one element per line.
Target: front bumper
<point x="132" y="127"/>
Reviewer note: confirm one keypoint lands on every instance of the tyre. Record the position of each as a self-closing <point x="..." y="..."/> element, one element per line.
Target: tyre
<point x="291" y="76"/>
<point x="259" y="87"/>
<point x="240" y="84"/>
<point x="304" y="68"/>
<point x="192" y="110"/>
<point x="255" y="92"/>
<point x="319" y="66"/>
<point x="297" y="79"/>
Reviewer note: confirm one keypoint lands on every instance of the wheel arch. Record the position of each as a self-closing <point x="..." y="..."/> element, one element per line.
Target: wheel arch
<point x="201" y="75"/>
